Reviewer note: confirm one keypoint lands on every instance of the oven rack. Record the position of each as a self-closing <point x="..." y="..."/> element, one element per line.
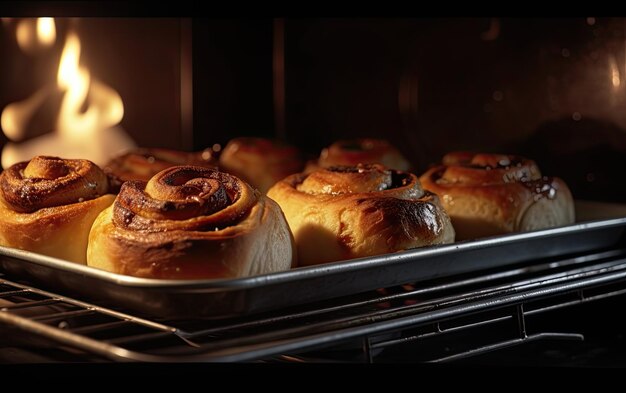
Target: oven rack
<point x="355" y="328"/>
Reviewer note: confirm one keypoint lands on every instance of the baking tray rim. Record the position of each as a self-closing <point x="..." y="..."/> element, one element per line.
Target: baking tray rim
<point x="307" y="272"/>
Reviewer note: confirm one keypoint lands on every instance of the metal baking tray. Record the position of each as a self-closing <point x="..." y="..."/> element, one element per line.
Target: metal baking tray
<point x="178" y="299"/>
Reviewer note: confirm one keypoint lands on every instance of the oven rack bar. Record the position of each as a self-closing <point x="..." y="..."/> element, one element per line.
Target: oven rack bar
<point x="365" y="318"/>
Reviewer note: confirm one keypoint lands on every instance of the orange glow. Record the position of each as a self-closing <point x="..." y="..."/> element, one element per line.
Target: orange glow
<point x="30" y="33"/>
<point x="614" y="72"/>
<point x="46" y="31"/>
<point x="16" y="116"/>
<point x="35" y="33"/>
<point x="24" y="34"/>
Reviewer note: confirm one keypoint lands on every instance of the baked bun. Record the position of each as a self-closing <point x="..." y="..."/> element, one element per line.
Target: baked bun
<point x="47" y="205"/>
<point x="360" y="151"/>
<point x="260" y="162"/>
<point x="346" y="212"/>
<point x="491" y="194"/>
<point x="143" y="163"/>
<point x="191" y="222"/>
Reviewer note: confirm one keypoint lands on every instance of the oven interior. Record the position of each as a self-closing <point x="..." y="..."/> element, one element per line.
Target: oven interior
<point x="551" y="89"/>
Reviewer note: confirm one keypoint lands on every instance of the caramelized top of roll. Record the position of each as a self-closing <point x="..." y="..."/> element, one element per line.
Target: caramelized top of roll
<point x="363" y="151"/>
<point x="183" y="198"/>
<point x="143" y="163"/>
<point x="362" y="178"/>
<point x="390" y="197"/>
<point x="260" y="162"/>
<point x="262" y="145"/>
<point x="485" y="169"/>
<point x="51" y="181"/>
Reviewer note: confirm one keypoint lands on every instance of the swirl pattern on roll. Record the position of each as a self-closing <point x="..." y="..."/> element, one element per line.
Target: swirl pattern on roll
<point x="187" y="198"/>
<point x="352" y="152"/>
<point x="489" y="194"/>
<point x="51" y="181"/>
<point x="47" y="205"/>
<point x="191" y="222"/>
<point x="345" y="212"/>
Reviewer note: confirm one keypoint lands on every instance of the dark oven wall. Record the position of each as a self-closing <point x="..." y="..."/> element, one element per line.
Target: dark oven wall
<point x="553" y="89"/>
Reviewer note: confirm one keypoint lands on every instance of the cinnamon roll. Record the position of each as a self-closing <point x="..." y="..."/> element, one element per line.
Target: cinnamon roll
<point x="143" y="163"/>
<point x="360" y="151"/>
<point x="191" y="222"/>
<point x="345" y="212"/>
<point x="48" y="205"/>
<point x="491" y="194"/>
<point x="260" y="162"/>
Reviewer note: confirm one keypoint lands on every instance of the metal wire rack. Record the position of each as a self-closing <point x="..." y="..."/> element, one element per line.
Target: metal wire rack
<point x="353" y="328"/>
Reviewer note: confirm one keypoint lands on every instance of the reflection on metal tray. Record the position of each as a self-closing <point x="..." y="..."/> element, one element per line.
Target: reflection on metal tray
<point x="219" y="298"/>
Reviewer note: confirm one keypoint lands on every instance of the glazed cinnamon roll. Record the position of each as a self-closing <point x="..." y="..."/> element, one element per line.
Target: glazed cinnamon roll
<point x="260" y="162"/>
<point x="143" y="163"/>
<point x="191" y="222"/>
<point x="347" y="212"/>
<point x="360" y="151"/>
<point x="48" y="205"/>
<point x="491" y="194"/>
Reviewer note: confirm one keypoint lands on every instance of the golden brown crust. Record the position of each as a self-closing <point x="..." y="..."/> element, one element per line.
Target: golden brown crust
<point x="143" y="163"/>
<point x="341" y="213"/>
<point x="191" y="223"/>
<point x="490" y="194"/>
<point x="48" y="205"/>
<point x="260" y="162"/>
<point x="360" y="151"/>
<point x="51" y="181"/>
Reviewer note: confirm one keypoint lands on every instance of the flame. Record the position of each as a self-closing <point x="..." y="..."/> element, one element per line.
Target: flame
<point x="90" y="110"/>
<point x="46" y="31"/>
<point x="105" y="108"/>
<point x="614" y="71"/>
<point x="16" y="116"/>
<point x="33" y="33"/>
<point x="69" y="68"/>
